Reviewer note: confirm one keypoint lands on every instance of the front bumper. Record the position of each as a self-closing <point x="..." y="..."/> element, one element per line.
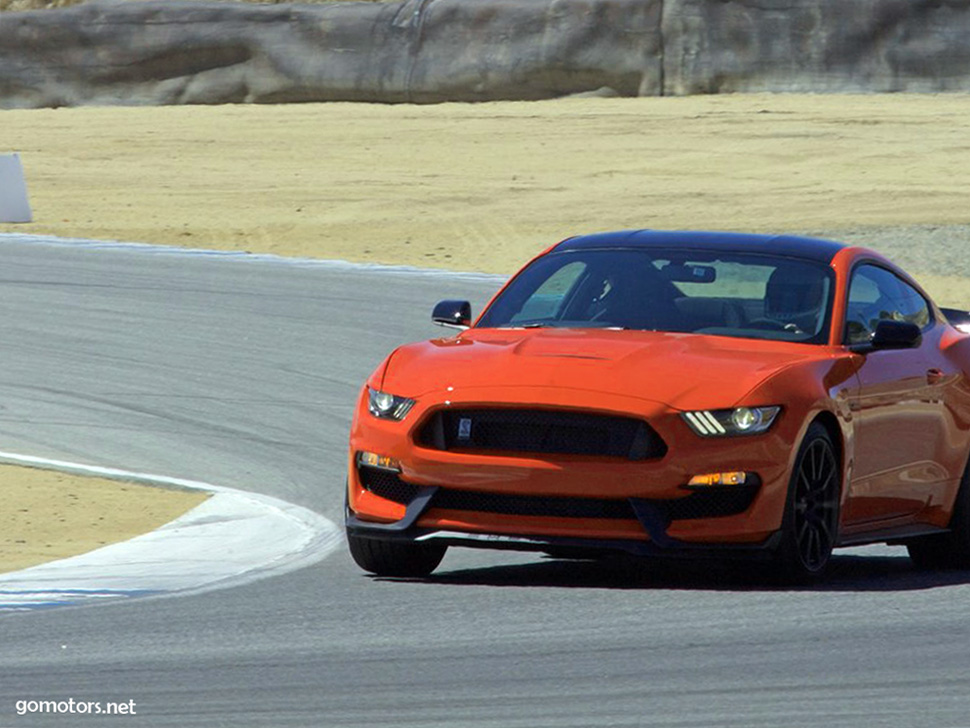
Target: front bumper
<point x="637" y="486"/>
<point x="652" y="520"/>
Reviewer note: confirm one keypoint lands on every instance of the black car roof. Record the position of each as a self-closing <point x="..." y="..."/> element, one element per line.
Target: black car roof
<point x="787" y="245"/>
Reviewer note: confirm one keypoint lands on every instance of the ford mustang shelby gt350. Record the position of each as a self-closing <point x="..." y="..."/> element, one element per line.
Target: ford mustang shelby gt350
<point x="673" y="393"/>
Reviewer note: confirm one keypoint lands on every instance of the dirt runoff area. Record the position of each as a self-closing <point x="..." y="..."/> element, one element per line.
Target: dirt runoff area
<point x="485" y="186"/>
<point x="48" y="515"/>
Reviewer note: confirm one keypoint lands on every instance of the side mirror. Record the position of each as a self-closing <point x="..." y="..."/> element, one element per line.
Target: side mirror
<point x="453" y="314"/>
<point x="896" y="335"/>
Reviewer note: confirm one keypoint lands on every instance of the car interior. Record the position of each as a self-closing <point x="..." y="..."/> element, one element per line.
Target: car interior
<point x="743" y="296"/>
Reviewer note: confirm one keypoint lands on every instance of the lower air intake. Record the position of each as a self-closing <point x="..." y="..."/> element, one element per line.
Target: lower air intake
<point x="709" y="503"/>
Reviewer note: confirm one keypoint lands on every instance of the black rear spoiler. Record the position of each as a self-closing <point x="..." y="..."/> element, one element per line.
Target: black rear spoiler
<point x="958" y="317"/>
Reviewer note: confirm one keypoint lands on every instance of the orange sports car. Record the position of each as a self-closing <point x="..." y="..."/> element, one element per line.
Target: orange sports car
<point x="673" y="394"/>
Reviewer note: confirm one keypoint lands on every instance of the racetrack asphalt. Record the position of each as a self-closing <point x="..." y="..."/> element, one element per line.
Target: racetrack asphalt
<point x="244" y="372"/>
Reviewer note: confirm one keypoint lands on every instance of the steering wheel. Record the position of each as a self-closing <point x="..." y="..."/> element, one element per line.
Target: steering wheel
<point x="766" y="324"/>
<point x="772" y="325"/>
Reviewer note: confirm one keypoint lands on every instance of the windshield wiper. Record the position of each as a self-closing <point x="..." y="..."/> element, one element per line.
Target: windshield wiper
<point x="527" y="325"/>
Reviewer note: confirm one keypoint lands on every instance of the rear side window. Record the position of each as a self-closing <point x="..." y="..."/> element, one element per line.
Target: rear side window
<point x="877" y="295"/>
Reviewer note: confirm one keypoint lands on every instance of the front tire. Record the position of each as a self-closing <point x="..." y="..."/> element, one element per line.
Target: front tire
<point x="947" y="550"/>
<point x="395" y="558"/>
<point x="811" y="521"/>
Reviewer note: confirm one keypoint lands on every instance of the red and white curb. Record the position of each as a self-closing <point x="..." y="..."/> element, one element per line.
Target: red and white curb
<point x="234" y="537"/>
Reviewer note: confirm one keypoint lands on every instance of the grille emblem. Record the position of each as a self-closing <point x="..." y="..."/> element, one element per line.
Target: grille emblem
<point x="464" y="428"/>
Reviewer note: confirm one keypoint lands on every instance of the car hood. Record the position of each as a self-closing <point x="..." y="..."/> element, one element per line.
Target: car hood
<point x="682" y="371"/>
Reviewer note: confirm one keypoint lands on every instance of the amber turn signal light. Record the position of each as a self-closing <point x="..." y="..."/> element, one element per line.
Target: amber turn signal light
<point x="733" y="477"/>
<point x="373" y="460"/>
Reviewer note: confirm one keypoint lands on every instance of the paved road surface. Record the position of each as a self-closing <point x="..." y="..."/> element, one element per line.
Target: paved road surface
<point x="244" y="373"/>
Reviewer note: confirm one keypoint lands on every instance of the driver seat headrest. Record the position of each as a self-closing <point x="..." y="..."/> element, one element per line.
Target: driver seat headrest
<point x="793" y="290"/>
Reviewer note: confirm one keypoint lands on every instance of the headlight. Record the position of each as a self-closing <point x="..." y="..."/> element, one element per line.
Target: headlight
<point x="738" y="421"/>
<point x="388" y="406"/>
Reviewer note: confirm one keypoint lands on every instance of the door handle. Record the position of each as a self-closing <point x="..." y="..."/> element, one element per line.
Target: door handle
<point x="933" y="376"/>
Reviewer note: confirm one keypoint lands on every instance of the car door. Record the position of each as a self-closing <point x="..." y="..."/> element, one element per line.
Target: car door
<point x="897" y="409"/>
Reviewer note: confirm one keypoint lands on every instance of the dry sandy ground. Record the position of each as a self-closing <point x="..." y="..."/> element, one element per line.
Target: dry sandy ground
<point x="484" y="187"/>
<point x="49" y="515"/>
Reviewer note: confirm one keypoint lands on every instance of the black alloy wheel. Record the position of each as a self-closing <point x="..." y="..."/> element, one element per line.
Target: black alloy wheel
<point x="811" y="523"/>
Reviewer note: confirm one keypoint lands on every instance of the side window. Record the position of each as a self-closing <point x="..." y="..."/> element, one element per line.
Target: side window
<point x="548" y="298"/>
<point x="876" y="295"/>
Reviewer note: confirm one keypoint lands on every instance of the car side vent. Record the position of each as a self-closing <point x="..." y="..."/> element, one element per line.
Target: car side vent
<point x="541" y="431"/>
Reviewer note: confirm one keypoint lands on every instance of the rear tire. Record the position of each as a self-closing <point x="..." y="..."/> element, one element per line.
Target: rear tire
<point x="947" y="550"/>
<point x="395" y="558"/>
<point x="811" y="521"/>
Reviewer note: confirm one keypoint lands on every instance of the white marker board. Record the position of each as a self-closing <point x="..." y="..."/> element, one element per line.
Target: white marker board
<point x="14" y="205"/>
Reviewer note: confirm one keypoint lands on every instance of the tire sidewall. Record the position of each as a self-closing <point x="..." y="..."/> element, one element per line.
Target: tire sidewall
<point x="788" y="556"/>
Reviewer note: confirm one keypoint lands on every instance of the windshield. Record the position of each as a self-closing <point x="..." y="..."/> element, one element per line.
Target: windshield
<point x="706" y="292"/>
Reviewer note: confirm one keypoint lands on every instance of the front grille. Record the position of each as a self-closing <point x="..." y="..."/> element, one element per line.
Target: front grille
<point x="541" y="431"/>
<point x="712" y="503"/>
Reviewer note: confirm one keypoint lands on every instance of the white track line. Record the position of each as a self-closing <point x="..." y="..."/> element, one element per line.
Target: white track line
<point x="232" y="538"/>
<point x="244" y="257"/>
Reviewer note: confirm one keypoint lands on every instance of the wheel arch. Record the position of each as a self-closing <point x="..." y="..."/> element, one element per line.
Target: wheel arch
<point x="842" y="442"/>
<point x="831" y="423"/>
